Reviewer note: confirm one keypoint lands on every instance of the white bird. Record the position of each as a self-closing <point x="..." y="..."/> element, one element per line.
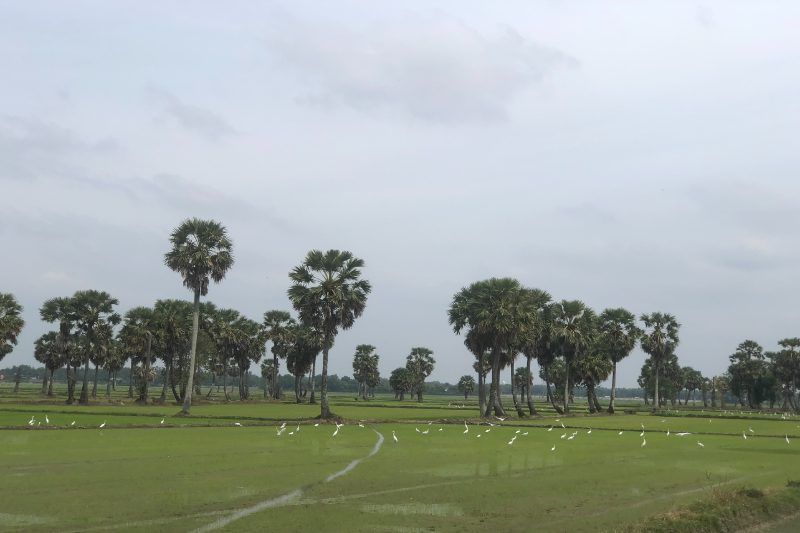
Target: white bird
<point x="162" y="420"/>
<point x="417" y="430"/>
<point x="73" y="423"/>
<point x="360" y="425"/>
<point x="103" y="424"/>
<point x="553" y="448"/>
<point x="750" y="430"/>
<point x="441" y="429"/>
<point x="667" y="432"/>
<point x="237" y="424"/>
<point x="316" y="425"/>
<point x="518" y="431"/>
<point x="283" y="425"/>
<point x="551" y="428"/>
<point x="501" y="419"/>
<point x="512" y="440"/>
<point x="564" y="436"/>
<point x="682" y="434"/>
<point x="524" y="434"/>
<point x="394" y="437"/>
<point x="31" y="421"/>
<point x="744" y="435"/>
<point x="291" y="433"/>
<point x="336" y="432"/>
<point x="620" y="433"/>
<point x="589" y="432"/>
<point x="280" y="431"/>
<point x="641" y="434"/>
<point x="563" y="426"/>
<point x="701" y="444"/>
<point x="425" y="432"/>
<point x="297" y="429"/>
<point x="787" y="439"/>
<point x="466" y="430"/>
<point x="479" y="435"/>
<point x="46" y="419"/>
<point x="571" y="437"/>
<point x="644" y="443"/>
<point x="488" y="430"/>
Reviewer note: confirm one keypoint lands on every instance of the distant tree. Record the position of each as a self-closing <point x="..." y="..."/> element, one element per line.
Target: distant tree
<point x="618" y="336"/>
<point x="201" y="252"/>
<point x="400" y="382"/>
<point x="535" y="339"/>
<point x="268" y="372"/>
<point x="48" y="352"/>
<point x="466" y="385"/>
<point x="592" y="370"/>
<point x="659" y="340"/>
<point x="574" y="331"/>
<point x="362" y="367"/>
<point x="278" y="326"/>
<point x="91" y="312"/>
<point x="747" y="370"/>
<point x="114" y="360"/>
<point x="692" y="381"/>
<point x="59" y="310"/>
<point x="11" y="323"/>
<point x="306" y="343"/>
<point x="479" y="346"/>
<point x="139" y="330"/>
<point x="420" y="364"/>
<point x="329" y="294"/>
<point x="785" y="365"/>
<point x="173" y="320"/>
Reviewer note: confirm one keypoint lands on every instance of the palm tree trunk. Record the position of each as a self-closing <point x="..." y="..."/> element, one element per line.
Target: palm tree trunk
<point x="17" y="379"/>
<point x="44" y="382"/>
<point x="325" y="411"/>
<point x="481" y="384"/>
<point x="146" y="375"/>
<point x="72" y="372"/>
<point x="275" y="394"/>
<point x="613" y="388"/>
<point x="187" y="401"/>
<point x="167" y="379"/>
<point x="94" y="383"/>
<point x="313" y="379"/>
<point x="50" y="385"/>
<point x="656" y="405"/>
<point x="225" y="380"/>
<point x="85" y="390"/>
<point x="589" y="399"/>
<point x="566" y="385"/>
<point x="528" y="387"/>
<point x="297" y="388"/>
<point x="550" y="395"/>
<point x="494" y="391"/>
<point x="108" y="388"/>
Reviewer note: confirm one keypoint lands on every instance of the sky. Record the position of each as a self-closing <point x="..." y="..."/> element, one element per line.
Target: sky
<point x="629" y="154"/>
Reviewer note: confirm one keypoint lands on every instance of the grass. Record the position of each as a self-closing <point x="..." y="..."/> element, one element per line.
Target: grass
<point x="138" y="475"/>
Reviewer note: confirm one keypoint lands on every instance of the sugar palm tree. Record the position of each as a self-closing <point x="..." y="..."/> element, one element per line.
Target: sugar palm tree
<point x="420" y="365"/>
<point x="535" y="338"/>
<point x="59" y="310"/>
<point x="277" y="326"/>
<point x="172" y="338"/>
<point x="91" y="312"/>
<point x="11" y="323"/>
<point x="573" y="328"/>
<point x="201" y="252"/>
<point x="139" y="329"/>
<point x="499" y="309"/>
<point x="466" y="385"/>
<point x="659" y="340"/>
<point x="362" y="362"/>
<point x="328" y="293"/>
<point x="618" y="336"/>
<point x="48" y="352"/>
<point x="480" y="346"/>
<point x="592" y="370"/>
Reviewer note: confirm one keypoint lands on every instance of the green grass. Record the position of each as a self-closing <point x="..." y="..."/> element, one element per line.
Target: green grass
<point x="138" y="475"/>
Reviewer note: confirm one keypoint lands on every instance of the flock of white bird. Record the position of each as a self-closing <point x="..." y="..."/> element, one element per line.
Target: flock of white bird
<point x="566" y="436"/>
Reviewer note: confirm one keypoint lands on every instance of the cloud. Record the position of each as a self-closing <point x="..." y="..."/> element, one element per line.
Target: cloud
<point x="199" y="120"/>
<point x="436" y="69"/>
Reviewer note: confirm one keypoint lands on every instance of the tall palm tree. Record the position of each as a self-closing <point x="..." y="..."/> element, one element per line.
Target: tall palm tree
<point x="59" y="310"/>
<point x="137" y="335"/>
<point x="11" y="323"/>
<point x="277" y="327"/>
<point x="659" y="340"/>
<point x="420" y="365"/>
<point x="501" y="310"/>
<point x="201" y="252"/>
<point x="534" y="339"/>
<point x="173" y="338"/>
<point x="362" y="361"/>
<point x="91" y="311"/>
<point x="573" y="325"/>
<point x="618" y="337"/>
<point x="328" y="293"/>
<point x="48" y="352"/>
<point x="479" y="345"/>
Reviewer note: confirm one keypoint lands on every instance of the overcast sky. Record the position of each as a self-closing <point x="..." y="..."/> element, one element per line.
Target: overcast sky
<point x="635" y="154"/>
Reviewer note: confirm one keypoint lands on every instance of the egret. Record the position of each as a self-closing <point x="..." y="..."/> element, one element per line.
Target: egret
<point x="283" y="425"/>
<point x="73" y="423"/>
<point x="316" y="425"/>
<point x="46" y="419"/>
<point x="479" y="435"/>
<point x="291" y="433"/>
<point x="512" y="440"/>
<point x="564" y="436"/>
<point x="787" y="439"/>
<point x="682" y="434"/>
<point x="237" y="424"/>
<point x="620" y="433"/>
<point x="589" y="432"/>
<point x="563" y="426"/>
<point x="501" y="419"/>
<point x="360" y="425"/>
<point x="488" y="430"/>
<point x="466" y="429"/>
<point x="644" y="443"/>
<point x="394" y="437"/>
<point x="641" y="434"/>
<point x="31" y="421"/>
<point x="162" y="421"/>
<point x="571" y="437"/>
<point x="417" y="430"/>
<point x="701" y="444"/>
<point x="551" y="428"/>
<point x="667" y="432"/>
<point x="280" y="431"/>
<point x="103" y="424"/>
<point x="297" y="429"/>
<point x="425" y="432"/>
<point x="517" y="431"/>
<point x="525" y="434"/>
<point x="441" y="429"/>
<point x="553" y="448"/>
<point x="336" y="432"/>
<point x="744" y="435"/>
<point x="750" y="430"/>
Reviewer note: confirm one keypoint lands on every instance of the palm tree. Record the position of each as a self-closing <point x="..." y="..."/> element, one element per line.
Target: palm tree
<point x="593" y="370"/>
<point x="400" y="382"/>
<point x="305" y="345"/>
<point x="277" y="327"/>
<point x="480" y="346"/>
<point x="227" y="336"/>
<point x="11" y="323"/>
<point x="172" y="338"/>
<point x="534" y="339"/>
<point x="60" y="310"/>
<point x="362" y="364"/>
<point x="91" y="311"/>
<point x="201" y="252"/>
<point x="659" y="340"/>
<point x="138" y="333"/>
<point x="328" y="293"/>
<point x="48" y="352"/>
<point x="573" y="325"/>
<point x="500" y="310"/>
<point x="618" y="336"/>
<point x="466" y="385"/>
<point x="268" y="373"/>
<point x="248" y="348"/>
<point x="420" y="365"/>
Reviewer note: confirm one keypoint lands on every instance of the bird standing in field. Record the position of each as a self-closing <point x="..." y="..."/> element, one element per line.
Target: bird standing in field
<point x="644" y="442"/>
<point x="394" y="437"/>
<point x="553" y="448"/>
<point x="237" y="424"/>
<point x="512" y="440"/>
<point x="46" y="419"/>
<point x="466" y="427"/>
<point x="73" y="423"/>
<point x="620" y="433"/>
<point x="103" y="424"/>
<point x="32" y="421"/>
<point x="551" y="428"/>
<point x="589" y="432"/>
<point x="316" y="425"/>
<point x="162" y="421"/>
<point x="701" y="444"/>
<point x="787" y="439"/>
